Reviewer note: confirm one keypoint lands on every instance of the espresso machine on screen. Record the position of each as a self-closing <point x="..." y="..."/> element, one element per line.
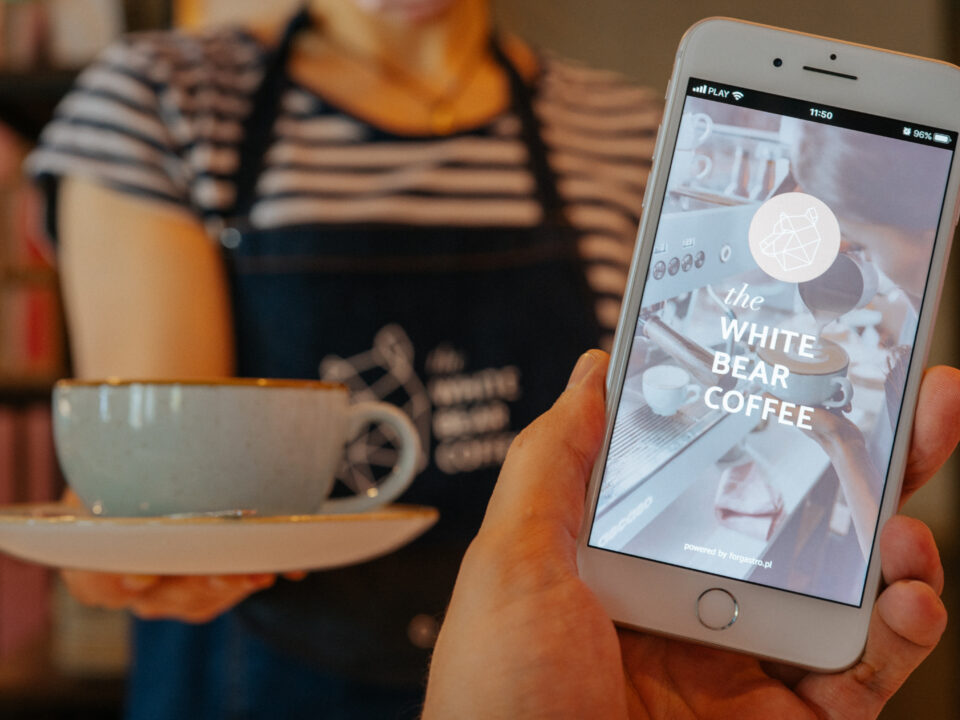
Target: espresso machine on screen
<point x="726" y="436"/>
<point x="670" y="449"/>
<point x="695" y="253"/>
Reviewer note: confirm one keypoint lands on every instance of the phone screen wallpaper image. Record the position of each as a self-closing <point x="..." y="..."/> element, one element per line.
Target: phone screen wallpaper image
<point x="768" y="364"/>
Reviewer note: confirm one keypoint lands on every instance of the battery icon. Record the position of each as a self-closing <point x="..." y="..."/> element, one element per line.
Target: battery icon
<point x="941" y="138"/>
<point x="907" y="131"/>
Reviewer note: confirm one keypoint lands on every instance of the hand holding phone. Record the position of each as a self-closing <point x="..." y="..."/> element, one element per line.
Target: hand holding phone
<point x="524" y="636"/>
<point x="792" y="276"/>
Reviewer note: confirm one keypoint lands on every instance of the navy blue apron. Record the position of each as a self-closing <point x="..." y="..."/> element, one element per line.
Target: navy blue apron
<point x="472" y="330"/>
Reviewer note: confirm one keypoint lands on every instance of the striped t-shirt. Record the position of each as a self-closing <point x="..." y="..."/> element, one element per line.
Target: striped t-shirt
<point x="161" y="115"/>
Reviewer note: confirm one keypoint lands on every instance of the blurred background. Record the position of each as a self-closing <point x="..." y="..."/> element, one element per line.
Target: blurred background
<point x="59" y="660"/>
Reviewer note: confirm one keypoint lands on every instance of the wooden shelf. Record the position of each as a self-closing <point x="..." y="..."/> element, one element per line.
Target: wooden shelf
<point x="27" y="99"/>
<point x="31" y="687"/>
<point x="22" y="390"/>
<point x="27" y="276"/>
<point x="42" y="84"/>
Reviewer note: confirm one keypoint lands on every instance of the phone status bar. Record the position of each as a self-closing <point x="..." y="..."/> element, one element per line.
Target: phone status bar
<point x="815" y="112"/>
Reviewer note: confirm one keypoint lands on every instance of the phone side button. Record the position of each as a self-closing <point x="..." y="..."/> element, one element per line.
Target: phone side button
<point x="717" y="609"/>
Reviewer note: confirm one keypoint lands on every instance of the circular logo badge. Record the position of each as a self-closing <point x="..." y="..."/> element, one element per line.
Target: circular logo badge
<point x="794" y="237"/>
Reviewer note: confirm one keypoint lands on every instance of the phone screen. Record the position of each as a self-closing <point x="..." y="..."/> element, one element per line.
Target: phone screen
<point x="766" y="376"/>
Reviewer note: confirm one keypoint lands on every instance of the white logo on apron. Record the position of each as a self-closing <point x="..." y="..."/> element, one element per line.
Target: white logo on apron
<point x="468" y="412"/>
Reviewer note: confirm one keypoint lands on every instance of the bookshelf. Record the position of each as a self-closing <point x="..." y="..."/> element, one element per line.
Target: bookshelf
<point x="27" y="99"/>
<point x="57" y="658"/>
<point x="32" y="339"/>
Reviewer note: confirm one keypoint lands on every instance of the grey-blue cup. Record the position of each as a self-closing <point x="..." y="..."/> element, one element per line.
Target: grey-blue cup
<point x="162" y="447"/>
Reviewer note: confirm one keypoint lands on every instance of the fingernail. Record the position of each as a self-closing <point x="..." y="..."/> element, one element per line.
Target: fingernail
<point x="582" y="368"/>
<point x="218" y="582"/>
<point x="256" y="582"/>
<point x="864" y="673"/>
<point x="138" y="583"/>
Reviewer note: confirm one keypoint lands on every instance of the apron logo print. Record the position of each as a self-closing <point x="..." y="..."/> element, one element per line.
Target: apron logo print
<point x="385" y="372"/>
<point x="471" y="417"/>
<point x="467" y="412"/>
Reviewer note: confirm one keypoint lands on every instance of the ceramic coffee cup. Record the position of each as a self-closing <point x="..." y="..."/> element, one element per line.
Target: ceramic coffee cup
<point x="817" y="381"/>
<point x="694" y="130"/>
<point x="689" y="165"/>
<point x="667" y="388"/>
<point x="160" y="447"/>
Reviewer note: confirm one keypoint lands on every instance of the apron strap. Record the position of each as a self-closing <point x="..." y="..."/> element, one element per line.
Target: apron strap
<point x="258" y="129"/>
<point x="521" y="96"/>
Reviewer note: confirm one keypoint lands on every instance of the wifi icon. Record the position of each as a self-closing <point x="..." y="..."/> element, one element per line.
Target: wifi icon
<point x="737" y="95"/>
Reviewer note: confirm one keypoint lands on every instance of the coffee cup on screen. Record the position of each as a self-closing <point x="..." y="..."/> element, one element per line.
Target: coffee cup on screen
<point x="818" y="380"/>
<point x="689" y="166"/>
<point x="667" y="388"/>
<point x="694" y="130"/>
<point x="270" y="447"/>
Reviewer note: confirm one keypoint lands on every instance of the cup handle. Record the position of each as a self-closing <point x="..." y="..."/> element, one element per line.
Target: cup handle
<point x="707" y="122"/>
<point x="846" y="388"/>
<point x="692" y="393"/>
<point x="402" y="474"/>
<point x="707" y="166"/>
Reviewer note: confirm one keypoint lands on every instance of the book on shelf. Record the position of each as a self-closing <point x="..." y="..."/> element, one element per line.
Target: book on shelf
<point x="28" y="473"/>
<point x="56" y="33"/>
<point x="31" y="338"/>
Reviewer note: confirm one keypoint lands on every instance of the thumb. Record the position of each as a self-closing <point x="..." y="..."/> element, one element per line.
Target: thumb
<point x="545" y="475"/>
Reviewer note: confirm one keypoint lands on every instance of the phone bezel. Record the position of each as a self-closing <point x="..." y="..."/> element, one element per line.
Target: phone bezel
<point x="773" y="624"/>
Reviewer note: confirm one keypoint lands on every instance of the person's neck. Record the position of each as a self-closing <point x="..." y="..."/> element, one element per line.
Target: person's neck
<point x="431" y="50"/>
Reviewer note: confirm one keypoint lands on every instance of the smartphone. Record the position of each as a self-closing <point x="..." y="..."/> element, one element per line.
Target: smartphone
<point x="772" y="339"/>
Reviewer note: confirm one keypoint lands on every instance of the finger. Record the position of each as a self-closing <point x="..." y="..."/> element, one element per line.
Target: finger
<point x="936" y="427"/>
<point x="909" y="552"/>
<point x="138" y="583"/>
<point x="915" y="613"/>
<point x="908" y="621"/>
<point x="232" y="583"/>
<point x="108" y="590"/>
<point x="546" y="470"/>
<point x="197" y="599"/>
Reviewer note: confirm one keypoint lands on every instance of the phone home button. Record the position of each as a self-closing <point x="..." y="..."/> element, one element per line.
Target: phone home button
<point x="717" y="609"/>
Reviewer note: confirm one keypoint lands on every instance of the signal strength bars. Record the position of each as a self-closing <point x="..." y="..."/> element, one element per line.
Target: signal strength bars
<point x="704" y="89"/>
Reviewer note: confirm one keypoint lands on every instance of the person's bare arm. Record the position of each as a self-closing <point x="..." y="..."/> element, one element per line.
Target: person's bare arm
<point x="862" y="483"/>
<point x="143" y="285"/>
<point x="146" y="297"/>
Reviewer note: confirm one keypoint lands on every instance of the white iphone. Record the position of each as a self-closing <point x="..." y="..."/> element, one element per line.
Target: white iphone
<point x="769" y="352"/>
